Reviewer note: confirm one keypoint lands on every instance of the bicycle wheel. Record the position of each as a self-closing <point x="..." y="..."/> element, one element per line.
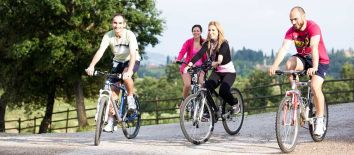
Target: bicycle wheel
<point x="196" y="120"/>
<point x="131" y="120"/>
<point x="231" y="121"/>
<point x="319" y="138"/>
<point x="286" y="128"/>
<point x="100" y="119"/>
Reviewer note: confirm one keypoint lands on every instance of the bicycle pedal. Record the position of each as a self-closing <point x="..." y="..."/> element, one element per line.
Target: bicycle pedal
<point x="108" y="131"/>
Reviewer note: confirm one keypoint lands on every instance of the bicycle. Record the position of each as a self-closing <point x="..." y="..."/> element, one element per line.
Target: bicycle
<point x="199" y="112"/>
<point x="130" y="120"/>
<point x="194" y="72"/>
<point x="295" y="109"/>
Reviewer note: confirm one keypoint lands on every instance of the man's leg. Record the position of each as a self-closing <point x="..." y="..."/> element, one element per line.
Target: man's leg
<point x="110" y="127"/>
<point x="294" y="63"/>
<point x="318" y="97"/>
<point x="129" y="83"/>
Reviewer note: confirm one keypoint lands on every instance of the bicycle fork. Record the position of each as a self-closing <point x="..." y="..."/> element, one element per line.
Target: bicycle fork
<point x="199" y="109"/>
<point x="107" y="94"/>
<point x="294" y="102"/>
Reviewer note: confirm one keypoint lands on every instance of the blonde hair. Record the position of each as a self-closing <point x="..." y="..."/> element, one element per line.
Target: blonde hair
<point x="221" y="36"/>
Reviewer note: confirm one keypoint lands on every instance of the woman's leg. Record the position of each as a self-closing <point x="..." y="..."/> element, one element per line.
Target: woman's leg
<point x="225" y="88"/>
<point x="186" y="84"/>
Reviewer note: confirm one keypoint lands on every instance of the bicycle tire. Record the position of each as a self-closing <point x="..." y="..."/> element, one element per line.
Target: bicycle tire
<point x="131" y="120"/>
<point x="100" y="120"/>
<point x="233" y="122"/>
<point x="317" y="138"/>
<point x="286" y="110"/>
<point x="191" y="122"/>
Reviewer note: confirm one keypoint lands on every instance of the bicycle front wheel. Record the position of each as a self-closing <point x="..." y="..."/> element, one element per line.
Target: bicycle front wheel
<point x="131" y="120"/>
<point x="196" y="119"/>
<point x="318" y="138"/>
<point x="103" y="102"/>
<point x="231" y="121"/>
<point x="286" y="126"/>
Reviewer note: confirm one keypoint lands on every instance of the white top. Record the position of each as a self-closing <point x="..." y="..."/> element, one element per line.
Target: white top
<point x="121" y="47"/>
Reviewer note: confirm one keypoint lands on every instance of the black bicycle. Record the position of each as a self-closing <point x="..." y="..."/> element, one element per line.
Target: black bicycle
<point x="130" y="120"/>
<point x="201" y="110"/>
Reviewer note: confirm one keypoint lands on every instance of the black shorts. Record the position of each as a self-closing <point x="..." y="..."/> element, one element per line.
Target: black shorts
<point x="118" y="67"/>
<point x="307" y="62"/>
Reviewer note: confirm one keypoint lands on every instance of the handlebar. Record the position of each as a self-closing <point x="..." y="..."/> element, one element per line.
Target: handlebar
<point x="181" y="62"/>
<point x="291" y="72"/>
<point x="107" y="74"/>
<point x="194" y="69"/>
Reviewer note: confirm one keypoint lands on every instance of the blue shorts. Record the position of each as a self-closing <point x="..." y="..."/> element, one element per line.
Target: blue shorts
<point x="118" y="67"/>
<point x="307" y="62"/>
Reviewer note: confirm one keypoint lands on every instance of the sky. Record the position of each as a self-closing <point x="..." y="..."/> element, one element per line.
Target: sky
<point x="254" y="24"/>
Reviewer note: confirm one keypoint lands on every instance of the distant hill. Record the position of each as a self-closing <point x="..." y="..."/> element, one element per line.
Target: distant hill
<point x="152" y="58"/>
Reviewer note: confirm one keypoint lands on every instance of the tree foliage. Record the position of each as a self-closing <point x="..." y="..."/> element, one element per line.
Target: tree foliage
<point x="49" y="43"/>
<point x="256" y="79"/>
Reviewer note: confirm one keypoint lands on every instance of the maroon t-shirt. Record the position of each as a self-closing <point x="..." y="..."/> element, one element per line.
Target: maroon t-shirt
<point x="302" y="41"/>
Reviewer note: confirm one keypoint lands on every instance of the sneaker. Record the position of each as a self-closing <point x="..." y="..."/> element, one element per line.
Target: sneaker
<point x="235" y="109"/>
<point x="205" y="117"/>
<point x="115" y="124"/>
<point x="109" y="126"/>
<point x="131" y="103"/>
<point x="319" y="126"/>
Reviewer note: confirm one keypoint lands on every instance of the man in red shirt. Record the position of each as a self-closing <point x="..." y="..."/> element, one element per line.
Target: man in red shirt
<point x="311" y="56"/>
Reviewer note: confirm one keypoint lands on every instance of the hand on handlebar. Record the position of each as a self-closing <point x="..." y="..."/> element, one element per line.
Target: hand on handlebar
<point x="271" y="70"/>
<point x="311" y="71"/>
<point x="127" y="74"/>
<point x="186" y="69"/>
<point x="90" y="70"/>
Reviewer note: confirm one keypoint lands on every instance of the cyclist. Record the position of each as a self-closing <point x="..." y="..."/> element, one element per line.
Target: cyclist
<point x="191" y="47"/>
<point x="126" y="60"/>
<point x="311" y="56"/>
<point x="218" y="51"/>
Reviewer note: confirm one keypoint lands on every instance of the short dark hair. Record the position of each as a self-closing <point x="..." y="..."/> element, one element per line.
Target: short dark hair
<point x="119" y="14"/>
<point x="197" y="25"/>
<point x="299" y="8"/>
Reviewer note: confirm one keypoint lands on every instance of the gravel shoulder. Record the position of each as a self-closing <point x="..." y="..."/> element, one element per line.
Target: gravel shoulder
<point x="257" y="136"/>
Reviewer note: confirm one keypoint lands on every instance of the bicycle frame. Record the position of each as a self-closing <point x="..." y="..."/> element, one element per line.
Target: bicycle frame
<point x="107" y="92"/>
<point x="295" y="99"/>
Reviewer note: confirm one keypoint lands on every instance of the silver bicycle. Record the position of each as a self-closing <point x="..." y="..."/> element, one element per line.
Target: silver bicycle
<point x="130" y="120"/>
<point x="295" y="110"/>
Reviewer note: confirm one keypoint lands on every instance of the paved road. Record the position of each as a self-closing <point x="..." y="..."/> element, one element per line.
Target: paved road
<point x="256" y="137"/>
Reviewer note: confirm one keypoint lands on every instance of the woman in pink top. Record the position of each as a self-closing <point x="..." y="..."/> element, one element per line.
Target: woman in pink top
<point x="191" y="47"/>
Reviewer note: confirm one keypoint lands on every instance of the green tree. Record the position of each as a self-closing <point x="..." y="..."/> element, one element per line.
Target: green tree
<point x="257" y="79"/>
<point x="172" y="72"/>
<point x="49" y="44"/>
<point x="347" y="71"/>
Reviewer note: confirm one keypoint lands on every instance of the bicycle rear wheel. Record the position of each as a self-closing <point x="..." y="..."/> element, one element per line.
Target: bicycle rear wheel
<point x="131" y="120"/>
<point x="286" y="128"/>
<point x="317" y="138"/>
<point x="231" y="121"/>
<point x="196" y="120"/>
<point x="100" y="119"/>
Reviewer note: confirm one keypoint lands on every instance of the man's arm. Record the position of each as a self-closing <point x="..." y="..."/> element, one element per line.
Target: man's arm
<point x="98" y="56"/>
<point x="280" y="56"/>
<point x="133" y="50"/>
<point x="315" y="40"/>
<point x="132" y="60"/>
